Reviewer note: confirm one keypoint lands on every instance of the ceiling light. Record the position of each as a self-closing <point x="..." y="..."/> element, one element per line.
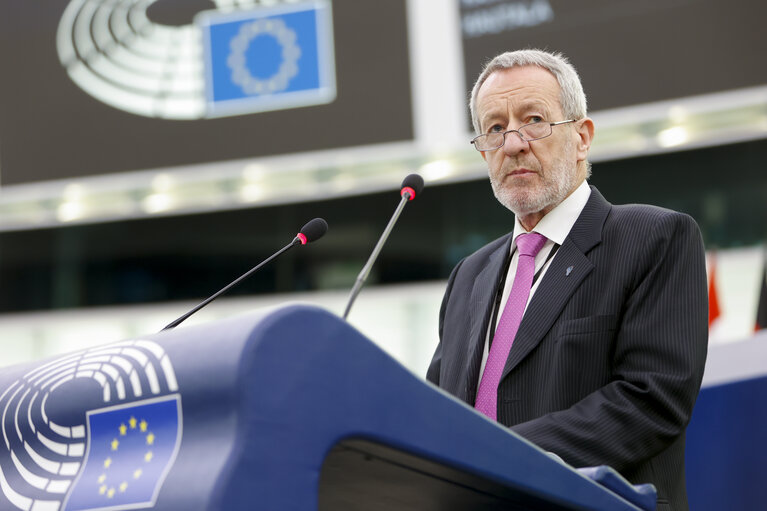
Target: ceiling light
<point x="672" y="137"/>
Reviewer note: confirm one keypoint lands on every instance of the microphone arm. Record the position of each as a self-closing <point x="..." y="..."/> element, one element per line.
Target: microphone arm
<point x="312" y="231"/>
<point x="362" y="277"/>
<point x="175" y="323"/>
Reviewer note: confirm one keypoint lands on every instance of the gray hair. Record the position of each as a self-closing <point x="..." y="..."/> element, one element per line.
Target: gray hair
<point x="571" y="96"/>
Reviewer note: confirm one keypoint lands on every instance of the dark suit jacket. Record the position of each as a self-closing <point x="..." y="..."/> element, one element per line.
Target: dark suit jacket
<point x="608" y="359"/>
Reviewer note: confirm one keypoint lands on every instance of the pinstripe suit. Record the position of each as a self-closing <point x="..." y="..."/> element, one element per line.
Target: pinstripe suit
<point x="608" y="359"/>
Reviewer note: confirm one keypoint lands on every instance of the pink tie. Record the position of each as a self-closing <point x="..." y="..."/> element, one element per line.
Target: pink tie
<point x="528" y="246"/>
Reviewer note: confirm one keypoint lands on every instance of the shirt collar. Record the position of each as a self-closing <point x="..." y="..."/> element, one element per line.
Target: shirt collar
<point x="556" y="225"/>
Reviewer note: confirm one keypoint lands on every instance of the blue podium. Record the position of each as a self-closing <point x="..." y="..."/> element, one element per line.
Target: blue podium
<point x="726" y="442"/>
<point x="285" y="409"/>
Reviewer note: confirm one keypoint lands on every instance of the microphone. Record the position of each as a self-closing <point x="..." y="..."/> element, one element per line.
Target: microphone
<point x="312" y="231"/>
<point x="411" y="186"/>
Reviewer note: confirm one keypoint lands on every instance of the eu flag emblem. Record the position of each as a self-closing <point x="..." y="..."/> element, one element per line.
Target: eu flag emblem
<point x="131" y="448"/>
<point x="269" y="58"/>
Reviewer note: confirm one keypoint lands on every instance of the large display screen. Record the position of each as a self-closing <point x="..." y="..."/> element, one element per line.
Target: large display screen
<point x="627" y="52"/>
<point x="93" y="87"/>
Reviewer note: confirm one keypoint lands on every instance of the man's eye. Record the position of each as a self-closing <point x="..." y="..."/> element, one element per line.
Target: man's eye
<point x="495" y="129"/>
<point x="534" y="119"/>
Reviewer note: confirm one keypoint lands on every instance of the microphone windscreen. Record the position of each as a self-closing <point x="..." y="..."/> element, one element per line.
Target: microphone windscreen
<point x="413" y="181"/>
<point x="314" y="229"/>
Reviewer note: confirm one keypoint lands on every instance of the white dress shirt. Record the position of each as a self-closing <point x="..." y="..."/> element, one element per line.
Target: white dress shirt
<point x="556" y="225"/>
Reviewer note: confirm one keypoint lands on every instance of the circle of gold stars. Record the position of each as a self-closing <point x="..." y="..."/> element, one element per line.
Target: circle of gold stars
<point x="140" y="427"/>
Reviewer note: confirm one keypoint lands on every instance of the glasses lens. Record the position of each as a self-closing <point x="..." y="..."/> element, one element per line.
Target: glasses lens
<point x="535" y="130"/>
<point x="488" y="142"/>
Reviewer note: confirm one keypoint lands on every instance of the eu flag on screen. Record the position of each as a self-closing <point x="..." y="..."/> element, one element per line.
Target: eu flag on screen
<point x="130" y="450"/>
<point x="268" y="58"/>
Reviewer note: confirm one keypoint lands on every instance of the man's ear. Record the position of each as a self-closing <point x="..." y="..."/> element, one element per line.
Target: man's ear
<point x="585" y="130"/>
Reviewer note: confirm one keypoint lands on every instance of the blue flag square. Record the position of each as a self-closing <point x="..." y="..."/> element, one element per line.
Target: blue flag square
<point x="268" y="58"/>
<point x="131" y="448"/>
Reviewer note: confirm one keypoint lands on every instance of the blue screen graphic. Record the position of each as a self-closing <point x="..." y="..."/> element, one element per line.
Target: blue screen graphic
<point x="265" y="60"/>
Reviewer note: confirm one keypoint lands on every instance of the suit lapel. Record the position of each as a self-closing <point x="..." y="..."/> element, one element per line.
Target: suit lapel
<point x="567" y="270"/>
<point x="482" y="299"/>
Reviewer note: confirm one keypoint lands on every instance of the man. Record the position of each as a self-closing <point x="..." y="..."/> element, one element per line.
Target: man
<point x="599" y="353"/>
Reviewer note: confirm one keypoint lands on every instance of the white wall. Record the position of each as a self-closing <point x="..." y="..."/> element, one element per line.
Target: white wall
<point x="401" y="319"/>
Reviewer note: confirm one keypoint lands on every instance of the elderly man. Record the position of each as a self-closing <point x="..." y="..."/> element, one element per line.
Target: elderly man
<point x="585" y="329"/>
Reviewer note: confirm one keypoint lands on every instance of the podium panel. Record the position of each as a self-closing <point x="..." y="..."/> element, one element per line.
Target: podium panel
<point x="285" y="409"/>
<point x="726" y="444"/>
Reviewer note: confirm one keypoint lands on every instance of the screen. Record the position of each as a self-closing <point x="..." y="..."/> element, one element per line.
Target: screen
<point x="627" y="52"/>
<point x="93" y="87"/>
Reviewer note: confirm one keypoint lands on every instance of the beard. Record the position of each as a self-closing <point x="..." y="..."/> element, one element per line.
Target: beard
<point x="552" y="186"/>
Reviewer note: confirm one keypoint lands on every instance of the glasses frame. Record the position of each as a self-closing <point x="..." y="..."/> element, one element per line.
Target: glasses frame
<point x="519" y="133"/>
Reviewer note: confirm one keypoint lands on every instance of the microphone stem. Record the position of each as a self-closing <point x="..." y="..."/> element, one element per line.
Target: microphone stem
<point x="362" y="277"/>
<point x="180" y="320"/>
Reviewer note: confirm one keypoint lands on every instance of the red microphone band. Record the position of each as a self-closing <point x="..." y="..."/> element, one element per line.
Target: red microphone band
<point x="301" y="236"/>
<point x="409" y="190"/>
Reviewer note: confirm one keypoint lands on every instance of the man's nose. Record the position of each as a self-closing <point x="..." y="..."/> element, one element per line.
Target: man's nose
<point x="513" y="144"/>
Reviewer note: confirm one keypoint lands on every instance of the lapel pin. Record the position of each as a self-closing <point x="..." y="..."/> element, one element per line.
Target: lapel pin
<point x="568" y="271"/>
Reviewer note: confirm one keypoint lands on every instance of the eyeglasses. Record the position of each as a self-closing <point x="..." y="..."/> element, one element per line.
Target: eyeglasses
<point x="528" y="133"/>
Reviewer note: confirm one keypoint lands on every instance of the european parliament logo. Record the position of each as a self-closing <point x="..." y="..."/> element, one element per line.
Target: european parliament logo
<point x="95" y="430"/>
<point x="255" y="58"/>
<point x="268" y="58"/>
<point x="131" y="448"/>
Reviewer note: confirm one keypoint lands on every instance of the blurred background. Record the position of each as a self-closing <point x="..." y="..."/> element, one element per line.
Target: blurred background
<point x="153" y="151"/>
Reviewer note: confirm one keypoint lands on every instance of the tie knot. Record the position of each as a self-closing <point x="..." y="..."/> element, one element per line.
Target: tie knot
<point x="530" y="244"/>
